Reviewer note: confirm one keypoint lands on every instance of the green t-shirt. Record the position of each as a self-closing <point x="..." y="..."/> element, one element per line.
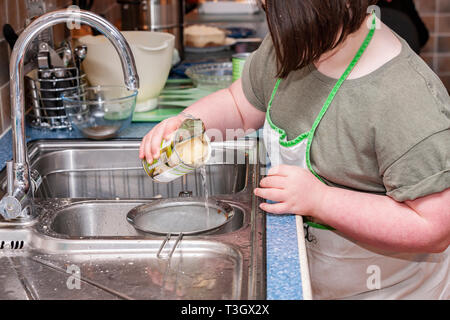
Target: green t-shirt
<point x="387" y="132"/>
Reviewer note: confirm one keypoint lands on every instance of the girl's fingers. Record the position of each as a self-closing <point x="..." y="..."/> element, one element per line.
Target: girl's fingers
<point x="151" y="143"/>
<point x="142" y="148"/>
<point x="144" y="145"/>
<point x="171" y="126"/>
<point x="156" y="140"/>
<point x="277" y="208"/>
<point x="147" y="151"/>
<point x="273" y="182"/>
<point x="270" y="194"/>
<point x="282" y="170"/>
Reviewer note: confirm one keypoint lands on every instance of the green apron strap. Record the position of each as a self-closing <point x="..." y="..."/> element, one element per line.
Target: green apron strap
<point x="334" y="92"/>
<point x="325" y="107"/>
<point x="274" y="92"/>
<point x="327" y="104"/>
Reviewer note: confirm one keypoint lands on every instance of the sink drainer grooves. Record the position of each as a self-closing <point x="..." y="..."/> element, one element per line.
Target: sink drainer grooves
<point x="15" y="245"/>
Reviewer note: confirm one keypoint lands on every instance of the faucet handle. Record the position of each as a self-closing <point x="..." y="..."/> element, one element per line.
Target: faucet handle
<point x="10" y="207"/>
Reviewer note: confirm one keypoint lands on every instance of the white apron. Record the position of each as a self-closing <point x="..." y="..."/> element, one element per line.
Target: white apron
<point x="341" y="268"/>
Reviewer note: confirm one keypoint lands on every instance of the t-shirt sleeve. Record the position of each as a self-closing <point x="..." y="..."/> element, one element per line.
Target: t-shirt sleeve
<point x="423" y="170"/>
<point x="412" y="134"/>
<point x="259" y="74"/>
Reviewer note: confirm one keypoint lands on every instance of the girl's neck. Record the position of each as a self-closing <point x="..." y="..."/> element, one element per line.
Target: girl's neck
<point x="383" y="47"/>
<point x="346" y="50"/>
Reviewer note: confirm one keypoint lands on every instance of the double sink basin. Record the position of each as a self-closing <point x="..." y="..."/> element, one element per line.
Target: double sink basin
<point x="82" y="247"/>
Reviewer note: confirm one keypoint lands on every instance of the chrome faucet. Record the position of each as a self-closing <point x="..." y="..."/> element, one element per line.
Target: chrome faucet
<point x="17" y="204"/>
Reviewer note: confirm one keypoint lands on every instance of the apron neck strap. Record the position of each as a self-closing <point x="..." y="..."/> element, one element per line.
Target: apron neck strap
<point x="336" y="88"/>
<point x="330" y="99"/>
<point x="328" y="102"/>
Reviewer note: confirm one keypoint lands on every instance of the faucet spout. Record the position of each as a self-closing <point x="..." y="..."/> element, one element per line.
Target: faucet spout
<point x="22" y="188"/>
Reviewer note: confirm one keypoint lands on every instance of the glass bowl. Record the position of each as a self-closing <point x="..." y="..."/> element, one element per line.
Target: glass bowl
<point x="211" y="75"/>
<point x="100" y="112"/>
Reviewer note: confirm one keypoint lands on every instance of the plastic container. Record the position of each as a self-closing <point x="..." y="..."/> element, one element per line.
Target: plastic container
<point x="238" y="61"/>
<point x="153" y="54"/>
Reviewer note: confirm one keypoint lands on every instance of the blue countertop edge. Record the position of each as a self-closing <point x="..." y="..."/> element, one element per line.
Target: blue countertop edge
<point x="282" y="255"/>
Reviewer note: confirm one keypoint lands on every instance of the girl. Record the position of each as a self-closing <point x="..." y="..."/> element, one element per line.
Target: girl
<point x="357" y="128"/>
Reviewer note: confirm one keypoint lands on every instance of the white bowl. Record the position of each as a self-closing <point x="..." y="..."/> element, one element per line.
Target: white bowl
<point x="153" y="53"/>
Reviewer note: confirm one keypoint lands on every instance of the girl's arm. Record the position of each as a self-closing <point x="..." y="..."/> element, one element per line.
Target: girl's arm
<point x="421" y="225"/>
<point x="221" y="111"/>
<point x="228" y="109"/>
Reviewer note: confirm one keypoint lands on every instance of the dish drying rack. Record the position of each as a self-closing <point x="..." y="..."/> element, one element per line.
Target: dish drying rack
<point x="46" y="85"/>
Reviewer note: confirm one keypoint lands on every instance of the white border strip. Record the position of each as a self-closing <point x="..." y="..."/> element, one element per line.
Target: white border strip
<point x="303" y="257"/>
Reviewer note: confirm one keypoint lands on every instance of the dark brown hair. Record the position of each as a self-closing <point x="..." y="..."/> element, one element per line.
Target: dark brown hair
<point x="303" y="30"/>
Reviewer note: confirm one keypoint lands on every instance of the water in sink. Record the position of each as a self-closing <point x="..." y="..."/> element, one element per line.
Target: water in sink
<point x="206" y="192"/>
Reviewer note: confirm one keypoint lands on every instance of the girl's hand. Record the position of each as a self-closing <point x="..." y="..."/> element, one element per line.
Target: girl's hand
<point x="296" y="190"/>
<point x="151" y="143"/>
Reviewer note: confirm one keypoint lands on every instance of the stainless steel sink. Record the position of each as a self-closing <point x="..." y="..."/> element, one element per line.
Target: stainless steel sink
<point x="88" y="189"/>
<point x="108" y="219"/>
<point x="113" y="170"/>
